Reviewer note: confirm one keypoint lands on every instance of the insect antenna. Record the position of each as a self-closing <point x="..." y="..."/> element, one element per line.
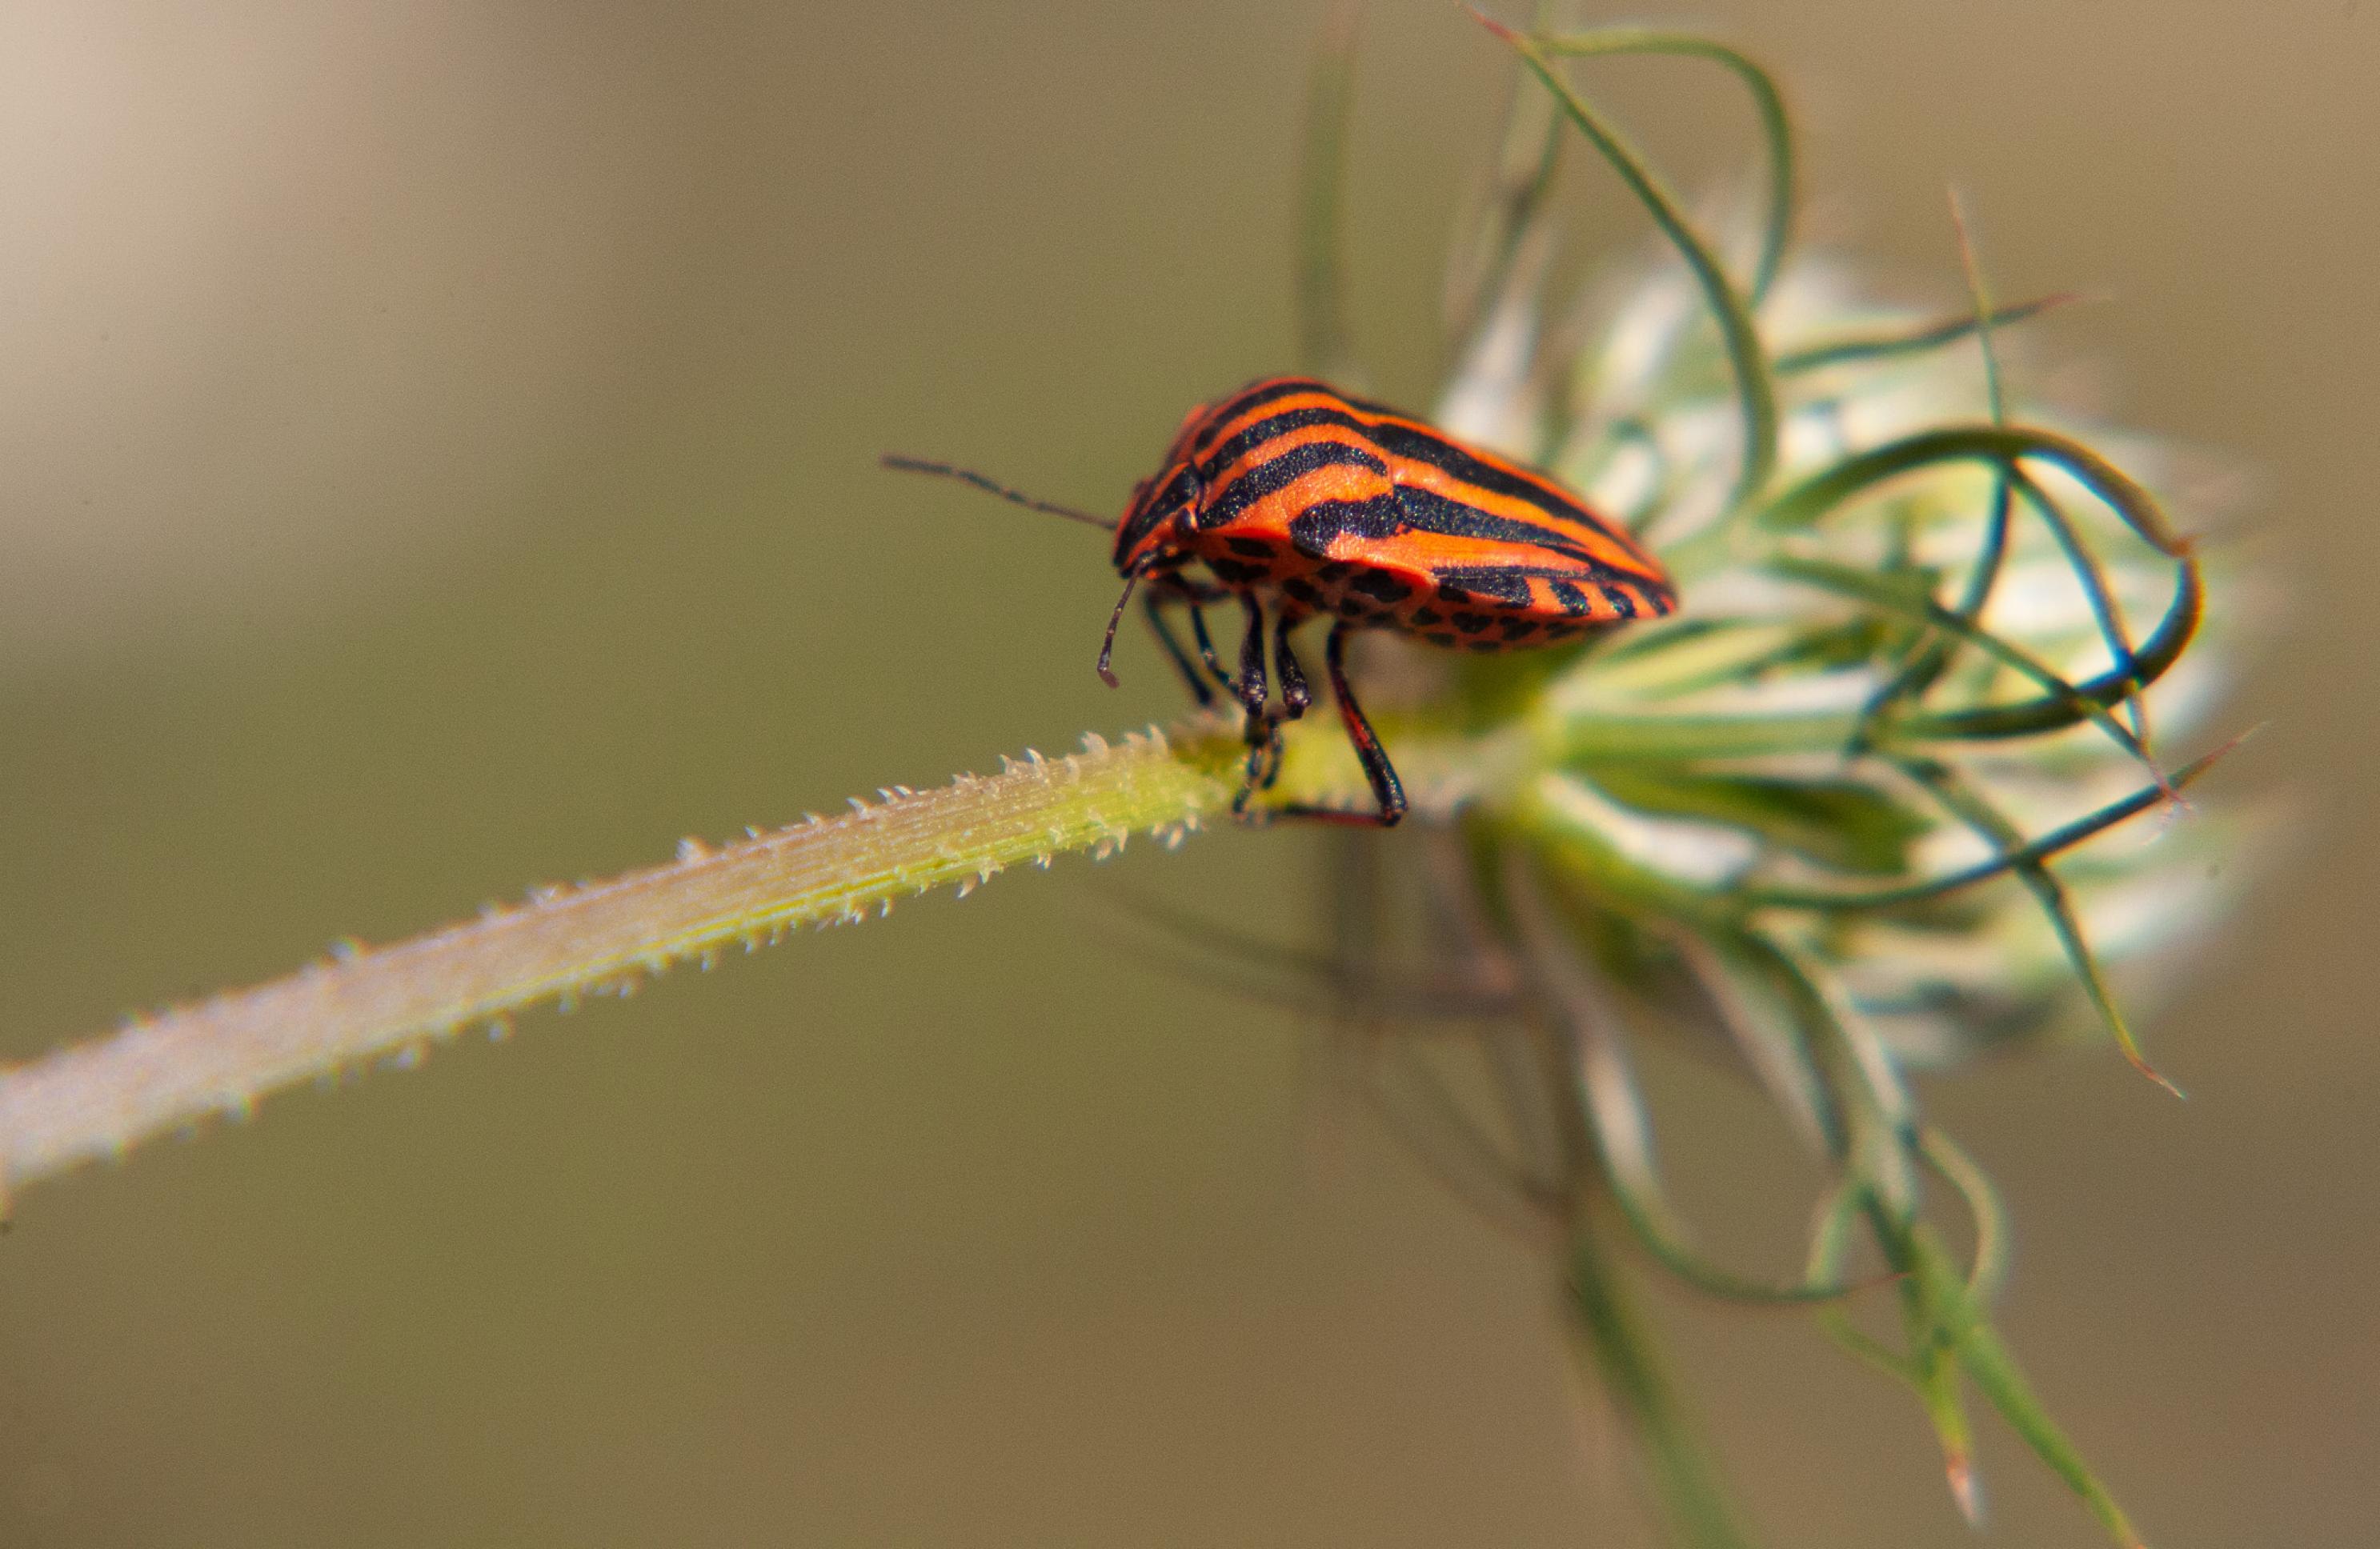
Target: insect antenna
<point x="967" y="476"/>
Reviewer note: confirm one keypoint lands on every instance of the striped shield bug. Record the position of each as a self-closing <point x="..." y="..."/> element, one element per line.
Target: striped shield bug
<point x="1298" y="500"/>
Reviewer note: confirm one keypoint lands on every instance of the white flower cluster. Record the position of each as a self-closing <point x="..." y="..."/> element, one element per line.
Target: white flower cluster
<point x="1802" y="721"/>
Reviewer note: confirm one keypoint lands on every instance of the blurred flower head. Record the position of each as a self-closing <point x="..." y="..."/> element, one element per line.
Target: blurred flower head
<point x="1888" y="791"/>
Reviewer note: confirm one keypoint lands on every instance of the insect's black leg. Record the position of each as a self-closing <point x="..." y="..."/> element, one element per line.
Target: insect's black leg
<point x="1294" y="695"/>
<point x="1251" y="689"/>
<point x="1206" y="645"/>
<point x="1200" y="591"/>
<point x="1152" y="606"/>
<point x="1250" y="684"/>
<point x="1387" y="789"/>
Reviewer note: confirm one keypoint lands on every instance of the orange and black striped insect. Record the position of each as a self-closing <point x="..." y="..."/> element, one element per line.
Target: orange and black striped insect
<point x="1298" y="500"/>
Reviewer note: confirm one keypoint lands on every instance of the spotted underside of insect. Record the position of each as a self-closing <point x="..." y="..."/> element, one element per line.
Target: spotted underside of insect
<point x="1297" y="501"/>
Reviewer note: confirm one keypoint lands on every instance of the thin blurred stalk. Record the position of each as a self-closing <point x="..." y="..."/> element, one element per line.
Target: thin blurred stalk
<point x="1613" y="1336"/>
<point x="1323" y="343"/>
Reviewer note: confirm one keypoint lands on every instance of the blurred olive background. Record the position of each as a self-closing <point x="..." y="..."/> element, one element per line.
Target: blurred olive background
<point x="436" y="456"/>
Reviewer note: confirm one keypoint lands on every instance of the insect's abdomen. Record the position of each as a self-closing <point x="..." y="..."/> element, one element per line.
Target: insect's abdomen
<point x="1351" y="509"/>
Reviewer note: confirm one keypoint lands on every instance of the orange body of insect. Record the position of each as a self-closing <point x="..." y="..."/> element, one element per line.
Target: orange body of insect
<point x="1298" y="500"/>
<point x="1345" y="507"/>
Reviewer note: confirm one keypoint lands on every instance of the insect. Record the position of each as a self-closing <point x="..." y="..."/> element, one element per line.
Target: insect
<point x="1297" y="502"/>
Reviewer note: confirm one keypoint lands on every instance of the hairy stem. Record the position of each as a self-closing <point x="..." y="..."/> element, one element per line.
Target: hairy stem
<point x="103" y="1097"/>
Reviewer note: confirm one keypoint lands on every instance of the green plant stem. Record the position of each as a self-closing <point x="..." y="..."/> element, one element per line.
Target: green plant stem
<point x="101" y="1097"/>
<point x="1614" y="1337"/>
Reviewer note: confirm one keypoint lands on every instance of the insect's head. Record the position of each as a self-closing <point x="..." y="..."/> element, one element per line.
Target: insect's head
<point x="1150" y="521"/>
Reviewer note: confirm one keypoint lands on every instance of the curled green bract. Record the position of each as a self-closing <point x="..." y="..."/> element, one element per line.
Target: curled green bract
<point x="1729" y="309"/>
<point x="1768" y="102"/>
